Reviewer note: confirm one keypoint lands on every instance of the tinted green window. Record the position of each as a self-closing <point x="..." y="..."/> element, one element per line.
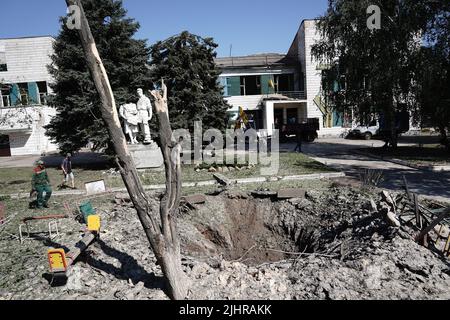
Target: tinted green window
<point x="33" y="93"/>
<point x="338" y="119"/>
<point x="224" y="84"/>
<point x="265" y="87"/>
<point x="234" y="86"/>
<point x="14" y="95"/>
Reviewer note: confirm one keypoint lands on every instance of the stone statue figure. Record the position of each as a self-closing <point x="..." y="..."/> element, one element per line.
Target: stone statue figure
<point x="129" y="113"/>
<point x="137" y="117"/>
<point x="144" y="107"/>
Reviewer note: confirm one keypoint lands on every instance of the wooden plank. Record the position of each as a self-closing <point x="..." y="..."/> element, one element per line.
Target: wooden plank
<point x="433" y="225"/>
<point x="407" y="188"/>
<point x="417" y="212"/>
<point x="447" y="245"/>
<point x="195" y="199"/>
<point x="81" y="246"/>
<point x="222" y="179"/>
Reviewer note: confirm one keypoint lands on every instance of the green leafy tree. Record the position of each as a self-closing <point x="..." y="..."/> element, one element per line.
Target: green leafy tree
<point x="378" y="65"/>
<point x="126" y="60"/>
<point x="186" y="62"/>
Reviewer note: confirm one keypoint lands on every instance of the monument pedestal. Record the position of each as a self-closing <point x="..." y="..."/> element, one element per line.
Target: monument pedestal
<point x="146" y="156"/>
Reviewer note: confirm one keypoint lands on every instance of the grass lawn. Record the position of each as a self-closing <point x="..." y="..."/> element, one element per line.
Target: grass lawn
<point x="18" y="180"/>
<point x="426" y="155"/>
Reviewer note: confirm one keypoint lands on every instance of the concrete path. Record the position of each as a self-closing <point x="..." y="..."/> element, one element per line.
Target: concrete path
<point x="338" y="154"/>
<point x="304" y="177"/>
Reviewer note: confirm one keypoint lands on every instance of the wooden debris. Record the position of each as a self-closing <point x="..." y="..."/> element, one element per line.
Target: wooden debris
<point x="388" y="199"/>
<point x="264" y="193"/>
<point x="433" y="224"/>
<point x="2" y="213"/>
<point x="373" y="205"/>
<point x="222" y="179"/>
<point x="194" y="199"/>
<point x="393" y="219"/>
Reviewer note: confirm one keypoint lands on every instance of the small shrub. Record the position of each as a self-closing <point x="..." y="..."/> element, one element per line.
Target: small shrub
<point x="371" y="178"/>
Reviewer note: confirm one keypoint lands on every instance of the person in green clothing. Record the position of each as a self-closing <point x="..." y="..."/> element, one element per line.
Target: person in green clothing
<point x="41" y="184"/>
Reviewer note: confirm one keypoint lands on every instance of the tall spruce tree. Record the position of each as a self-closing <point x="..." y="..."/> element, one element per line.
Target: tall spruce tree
<point x="186" y="62"/>
<point x="126" y="60"/>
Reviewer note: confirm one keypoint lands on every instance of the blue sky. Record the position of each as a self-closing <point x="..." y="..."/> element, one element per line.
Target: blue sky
<point x="250" y="26"/>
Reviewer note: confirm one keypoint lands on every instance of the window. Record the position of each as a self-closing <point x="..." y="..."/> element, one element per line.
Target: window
<point x="3" y="66"/>
<point x="284" y="82"/>
<point x="250" y="85"/>
<point x="23" y="96"/>
<point x="4" y="95"/>
<point x="43" y="92"/>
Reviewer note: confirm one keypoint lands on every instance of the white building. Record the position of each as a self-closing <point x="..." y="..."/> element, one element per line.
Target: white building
<point x="24" y="80"/>
<point x="281" y="89"/>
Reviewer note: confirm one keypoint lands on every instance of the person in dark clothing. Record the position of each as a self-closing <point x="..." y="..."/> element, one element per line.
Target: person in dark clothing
<point x="40" y="183"/>
<point x="66" y="167"/>
<point x="299" y="136"/>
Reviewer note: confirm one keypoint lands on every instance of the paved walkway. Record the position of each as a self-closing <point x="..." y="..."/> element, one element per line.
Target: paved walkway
<point x="304" y="177"/>
<point x="338" y="154"/>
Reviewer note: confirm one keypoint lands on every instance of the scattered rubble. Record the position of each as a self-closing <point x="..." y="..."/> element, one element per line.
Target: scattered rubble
<point x="291" y="193"/>
<point x="321" y="244"/>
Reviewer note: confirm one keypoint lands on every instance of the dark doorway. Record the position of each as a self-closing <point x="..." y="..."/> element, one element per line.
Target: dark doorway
<point x="292" y="116"/>
<point x="5" y="149"/>
<point x="250" y="85"/>
<point x="278" y="118"/>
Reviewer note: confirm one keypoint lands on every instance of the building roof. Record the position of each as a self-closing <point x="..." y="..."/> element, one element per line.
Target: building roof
<point x="28" y="37"/>
<point x="256" y="60"/>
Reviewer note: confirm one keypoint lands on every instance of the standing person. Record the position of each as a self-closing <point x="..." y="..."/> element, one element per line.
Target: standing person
<point x="66" y="166"/>
<point x="299" y="136"/>
<point x="40" y="183"/>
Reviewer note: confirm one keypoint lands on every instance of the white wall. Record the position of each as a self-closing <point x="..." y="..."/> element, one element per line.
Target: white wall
<point x="249" y="103"/>
<point x="308" y="38"/>
<point x="33" y="142"/>
<point x="27" y="59"/>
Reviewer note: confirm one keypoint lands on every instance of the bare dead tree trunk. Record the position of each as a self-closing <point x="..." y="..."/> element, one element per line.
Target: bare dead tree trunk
<point x="163" y="236"/>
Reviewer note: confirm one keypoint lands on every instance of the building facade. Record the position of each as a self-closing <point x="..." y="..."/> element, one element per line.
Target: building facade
<point x="24" y="83"/>
<point x="277" y="89"/>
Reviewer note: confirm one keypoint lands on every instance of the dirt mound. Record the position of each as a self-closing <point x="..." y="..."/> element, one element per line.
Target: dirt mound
<point x="330" y="245"/>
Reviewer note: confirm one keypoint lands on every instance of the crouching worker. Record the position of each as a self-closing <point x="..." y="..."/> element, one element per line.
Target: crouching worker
<point x="41" y="184"/>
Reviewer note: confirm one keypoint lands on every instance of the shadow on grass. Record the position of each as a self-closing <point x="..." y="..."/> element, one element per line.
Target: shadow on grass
<point x="129" y="269"/>
<point x="85" y="160"/>
<point x="314" y="166"/>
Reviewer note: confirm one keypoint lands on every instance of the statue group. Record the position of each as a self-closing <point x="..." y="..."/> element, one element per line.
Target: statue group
<point x="136" y="119"/>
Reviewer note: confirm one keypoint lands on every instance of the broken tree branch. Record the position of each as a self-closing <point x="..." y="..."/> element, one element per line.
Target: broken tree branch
<point x="162" y="237"/>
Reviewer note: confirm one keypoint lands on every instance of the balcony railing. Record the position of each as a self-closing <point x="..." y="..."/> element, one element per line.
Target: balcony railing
<point x="16" y="119"/>
<point x="286" y="95"/>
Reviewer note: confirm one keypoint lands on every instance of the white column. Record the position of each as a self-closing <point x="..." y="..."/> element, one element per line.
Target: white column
<point x="269" y="117"/>
<point x="300" y="115"/>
